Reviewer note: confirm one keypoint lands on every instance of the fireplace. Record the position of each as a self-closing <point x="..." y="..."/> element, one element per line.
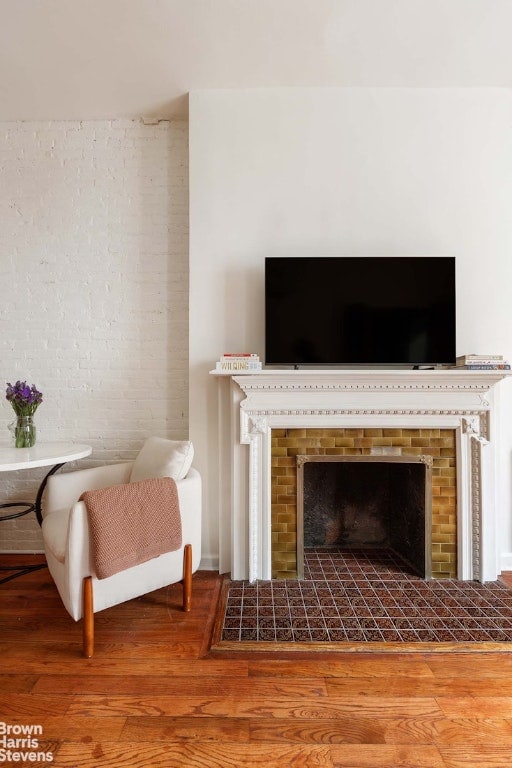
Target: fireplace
<point x="256" y="409"/>
<point x="434" y="448"/>
<point x="366" y="502"/>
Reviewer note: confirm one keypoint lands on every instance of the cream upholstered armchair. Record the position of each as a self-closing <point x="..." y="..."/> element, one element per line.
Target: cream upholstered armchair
<point x="68" y="539"/>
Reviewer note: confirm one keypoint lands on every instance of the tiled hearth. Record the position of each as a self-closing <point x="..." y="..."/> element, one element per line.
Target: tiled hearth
<point x="366" y="596"/>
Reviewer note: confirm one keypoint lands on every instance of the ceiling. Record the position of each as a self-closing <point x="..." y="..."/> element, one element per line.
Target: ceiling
<point x="106" y="59"/>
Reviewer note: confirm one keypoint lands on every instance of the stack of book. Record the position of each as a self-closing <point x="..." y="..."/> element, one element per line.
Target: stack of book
<point x="238" y="362"/>
<point x="482" y="363"/>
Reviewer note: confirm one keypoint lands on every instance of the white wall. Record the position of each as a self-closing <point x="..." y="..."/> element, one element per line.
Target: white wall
<point x="356" y="171"/>
<point x="93" y="288"/>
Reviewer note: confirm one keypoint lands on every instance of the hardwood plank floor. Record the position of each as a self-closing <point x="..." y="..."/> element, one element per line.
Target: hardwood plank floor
<point x="153" y="696"/>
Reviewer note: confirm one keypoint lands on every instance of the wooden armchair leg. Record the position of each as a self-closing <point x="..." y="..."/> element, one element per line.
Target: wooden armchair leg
<point x="88" y="620"/>
<point x="187" y="577"/>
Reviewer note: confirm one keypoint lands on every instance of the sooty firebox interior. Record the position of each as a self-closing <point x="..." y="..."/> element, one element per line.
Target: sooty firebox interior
<point x="351" y="502"/>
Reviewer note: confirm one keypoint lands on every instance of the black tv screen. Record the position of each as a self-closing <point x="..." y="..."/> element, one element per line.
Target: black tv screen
<point x="359" y="311"/>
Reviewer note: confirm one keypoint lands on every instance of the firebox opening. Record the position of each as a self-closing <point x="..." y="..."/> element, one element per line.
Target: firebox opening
<point x="365" y="502"/>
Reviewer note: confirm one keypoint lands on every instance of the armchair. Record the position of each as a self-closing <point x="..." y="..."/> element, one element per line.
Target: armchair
<point x="67" y="540"/>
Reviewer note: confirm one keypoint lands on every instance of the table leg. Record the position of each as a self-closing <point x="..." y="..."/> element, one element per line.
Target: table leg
<point x="28" y="507"/>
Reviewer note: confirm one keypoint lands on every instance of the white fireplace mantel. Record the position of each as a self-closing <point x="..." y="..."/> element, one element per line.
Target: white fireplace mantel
<point x="251" y="405"/>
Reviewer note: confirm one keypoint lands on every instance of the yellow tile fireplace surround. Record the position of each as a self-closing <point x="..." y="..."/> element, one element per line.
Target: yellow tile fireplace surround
<point x="267" y="419"/>
<point x="287" y="444"/>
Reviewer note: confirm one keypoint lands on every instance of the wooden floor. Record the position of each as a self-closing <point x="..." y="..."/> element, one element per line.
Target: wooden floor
<point x="153" y="696"/>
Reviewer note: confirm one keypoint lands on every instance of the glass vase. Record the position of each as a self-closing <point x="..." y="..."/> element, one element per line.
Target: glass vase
<point x="25" y="432"/>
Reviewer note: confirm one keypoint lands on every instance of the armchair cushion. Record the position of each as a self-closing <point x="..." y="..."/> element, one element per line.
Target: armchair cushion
<point x="163" y="458"/>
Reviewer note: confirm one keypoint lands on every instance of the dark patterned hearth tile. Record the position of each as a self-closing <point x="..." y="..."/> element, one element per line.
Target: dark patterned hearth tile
<point x="386" y="601"/>
<point x="332" y="623"/>
<point x="358" y="602"/>
<point x="450" y="602"/>
<point x="397" y="594"/>
<point x="395" y="611"/>
<point x="292" y="601"/>
<point x="343" y="605"/>
<point x="482" y="622"/>
<point x="283" y="623"/>
<point x="481" y="635"/>
<point x="480" y="601"/>
<point x="300" y="623"/>
<point x="233" y="608"/>
<point x="377" y="609"/>
<point x="463" y="636"/>
<point x="282" y="619"/>
<point x="367" y="592"/>
<point x="383" y="623"/>
<point x="231" y="622"/>
<point x="249" y="622"/>
<point x="501" y="623"/>
<point x="436" y="623"/>
<point x="266" y="623"/>
<point x="402" y="624"/>
<point x="372" y="635"/>
<point x="465" y="602"/>
<point x="418" y="622"/>
<point x="323" y="590"/>
<point x="247" y="635"/>
<point x="427" y="635"/>
<point x="350" y="623"/>
<point x="368" y="586"/>
<point x="316" y="623"/>
<point x="327" y="601"/>
<point x="367" y="623"/>
<point x="308" y="590"/>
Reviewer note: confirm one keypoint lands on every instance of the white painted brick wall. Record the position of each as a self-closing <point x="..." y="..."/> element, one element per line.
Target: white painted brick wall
<point x="93" y="288"/>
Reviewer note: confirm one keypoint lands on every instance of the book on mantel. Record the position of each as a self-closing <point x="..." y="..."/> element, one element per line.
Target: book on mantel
<point x="238" y="362"/>
<point x="482" y="363"/>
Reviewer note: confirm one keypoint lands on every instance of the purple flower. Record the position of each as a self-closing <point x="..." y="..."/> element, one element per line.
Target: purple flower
<point x="24" y="399"/>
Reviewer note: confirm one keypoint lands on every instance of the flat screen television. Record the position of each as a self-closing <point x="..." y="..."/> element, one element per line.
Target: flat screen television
<point x="330" y="311"/>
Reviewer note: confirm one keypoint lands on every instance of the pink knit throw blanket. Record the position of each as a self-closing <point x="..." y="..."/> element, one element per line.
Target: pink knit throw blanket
<point x="132" y="523"/>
